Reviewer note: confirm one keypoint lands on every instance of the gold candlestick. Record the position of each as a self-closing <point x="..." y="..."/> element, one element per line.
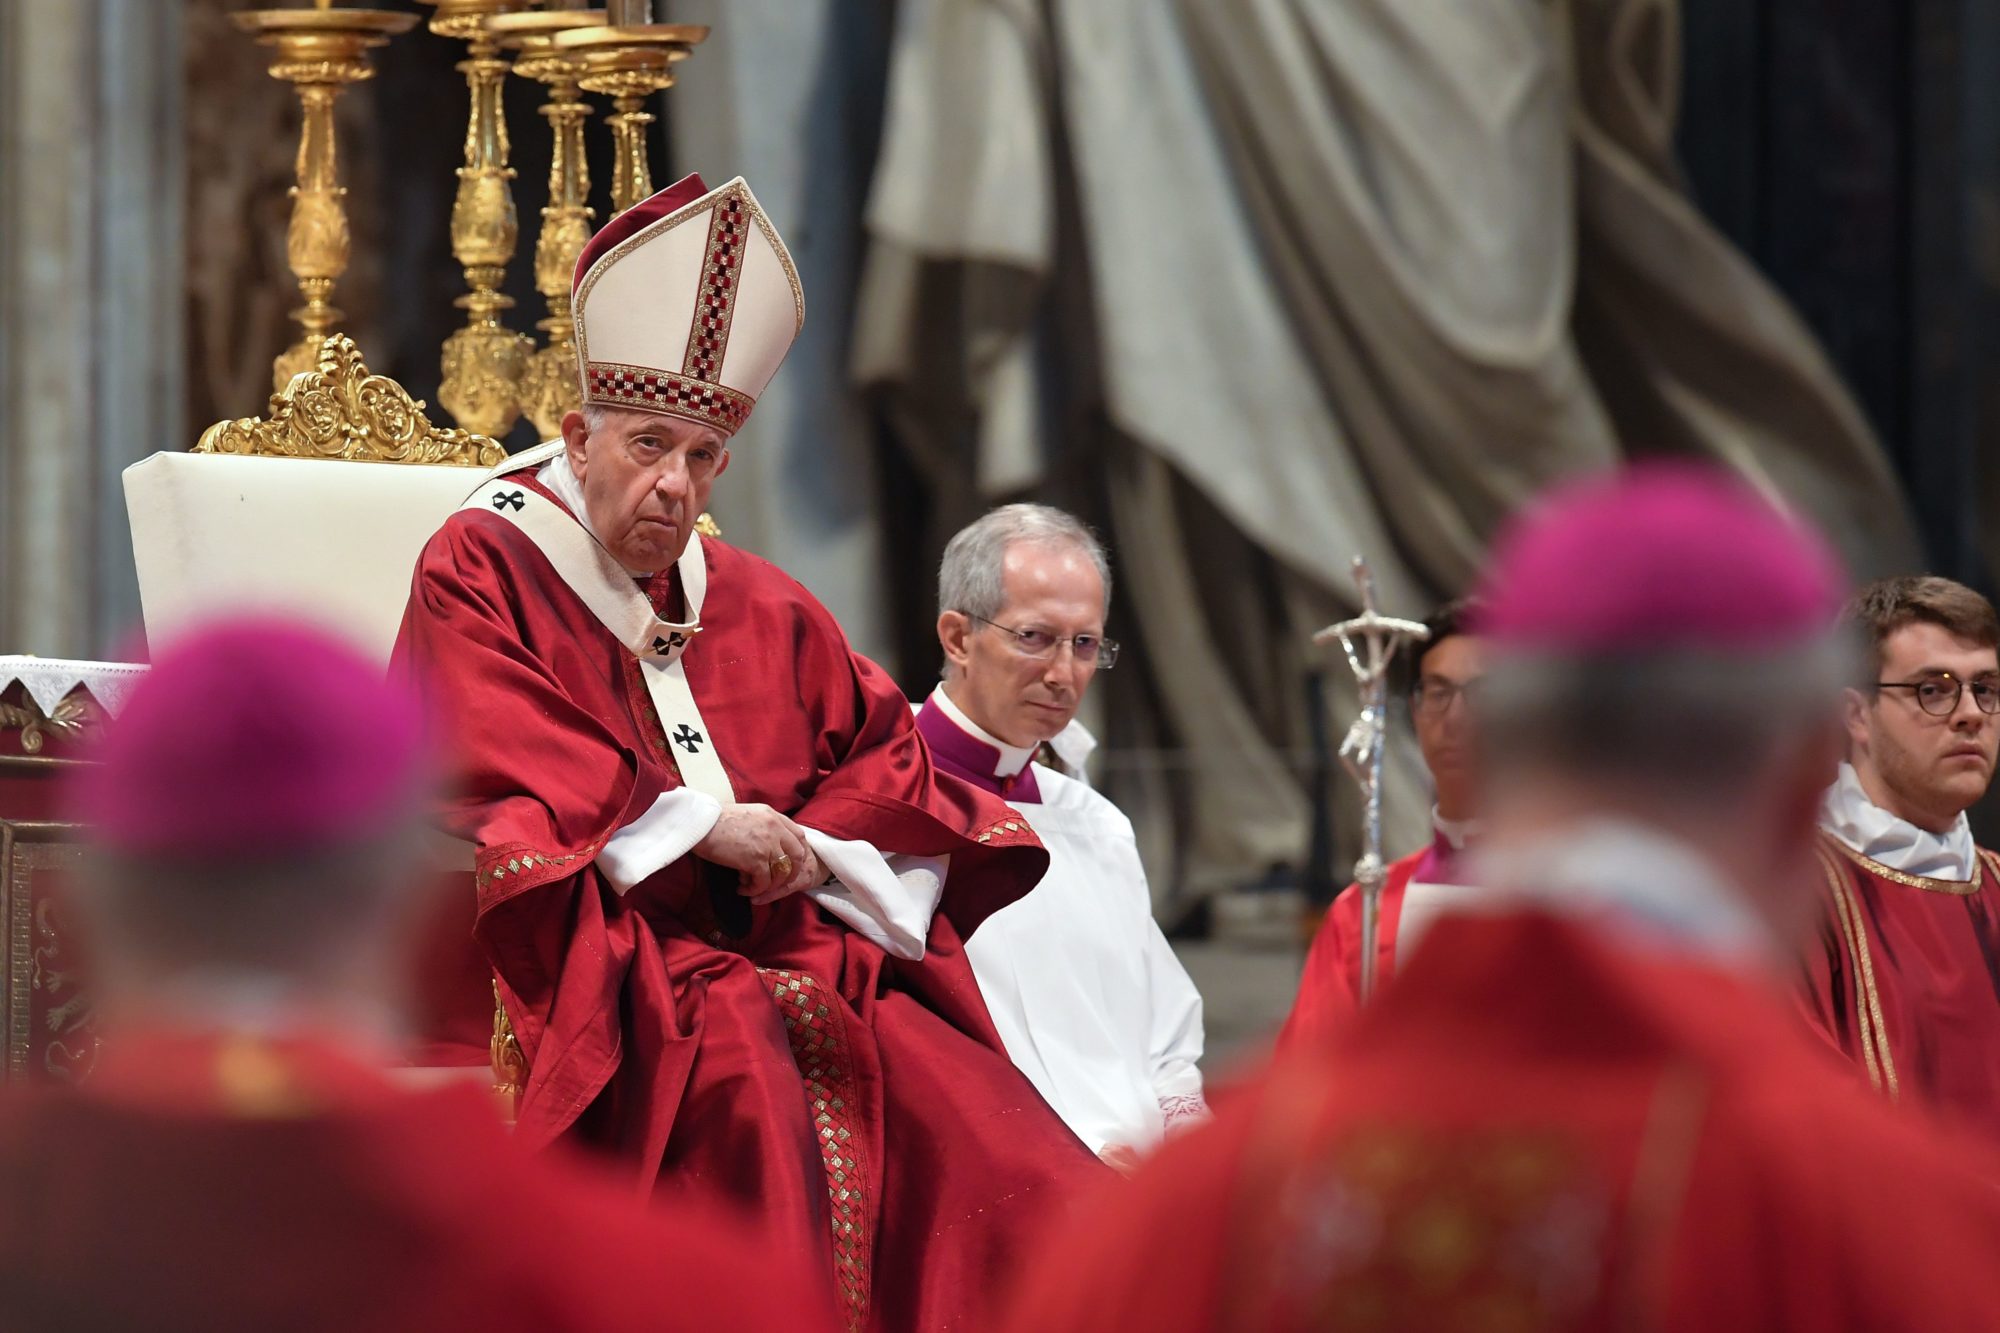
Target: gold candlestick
<point x="629" y="64"/>
<point x="482" y="361"/>
<point x="550" y="383"/>
<point x="318" y="51"/>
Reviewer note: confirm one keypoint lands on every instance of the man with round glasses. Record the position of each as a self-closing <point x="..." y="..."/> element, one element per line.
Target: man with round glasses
<point x="1089" y="999"/>
<point x="1446" y="669"/>
<point x="1903" y="974"/>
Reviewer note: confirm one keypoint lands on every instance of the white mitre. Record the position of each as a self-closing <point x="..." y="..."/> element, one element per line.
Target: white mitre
<point x="686" y="303"/>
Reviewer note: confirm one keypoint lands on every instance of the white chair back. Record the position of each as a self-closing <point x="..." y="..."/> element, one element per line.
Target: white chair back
<point x="330" y="539"/>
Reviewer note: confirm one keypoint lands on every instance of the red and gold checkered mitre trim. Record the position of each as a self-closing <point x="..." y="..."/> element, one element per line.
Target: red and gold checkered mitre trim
<point x="686" y="303"/>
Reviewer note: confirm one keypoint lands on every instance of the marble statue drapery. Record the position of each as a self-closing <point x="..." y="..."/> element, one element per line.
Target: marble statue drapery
<point x="1340" y="276"/>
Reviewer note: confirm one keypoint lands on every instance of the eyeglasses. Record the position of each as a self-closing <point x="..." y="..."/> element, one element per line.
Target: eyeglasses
<point x="1434" y="697"/>
<point x="1939" y="695"/>
<point x="1039" y="643"/>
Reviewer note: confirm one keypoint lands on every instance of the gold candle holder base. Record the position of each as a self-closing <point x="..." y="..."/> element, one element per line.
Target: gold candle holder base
<point x="319" y="52"/>
<point x="629" y="64"/>
<point x="550" y="385"/>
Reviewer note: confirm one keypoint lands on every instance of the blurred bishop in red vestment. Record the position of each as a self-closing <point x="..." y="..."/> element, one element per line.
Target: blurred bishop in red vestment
<point x="1586" y="1103"/>
<point x="723" y="890"/>
<point x="240" y="1158"/>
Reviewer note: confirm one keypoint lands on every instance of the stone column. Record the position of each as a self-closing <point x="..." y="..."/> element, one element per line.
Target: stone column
<point x="91" y="291"/>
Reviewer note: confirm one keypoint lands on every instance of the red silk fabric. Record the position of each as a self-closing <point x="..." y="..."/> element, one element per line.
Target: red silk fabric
<point x="1905" y="979"/>
<point x="623" y="226"/>
<point x="199" y="1184"/>
<point x="653" y="1032"/>
<point x="1330" y="985"/>
<point x="1537" y="1128"/>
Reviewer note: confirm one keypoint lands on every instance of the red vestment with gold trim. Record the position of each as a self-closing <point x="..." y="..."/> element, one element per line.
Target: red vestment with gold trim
<point x="862" y="1103"/>
<point x="203" y="1183"/>
<point x="1904" y="978"/>
<point x="1541" y="1127"/>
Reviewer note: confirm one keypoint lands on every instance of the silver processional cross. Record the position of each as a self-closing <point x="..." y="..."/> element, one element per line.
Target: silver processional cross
<point x="1370" y="641"/>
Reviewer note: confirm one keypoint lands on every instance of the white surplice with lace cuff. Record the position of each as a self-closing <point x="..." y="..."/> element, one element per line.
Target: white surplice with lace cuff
<point x="1086" y="993"/>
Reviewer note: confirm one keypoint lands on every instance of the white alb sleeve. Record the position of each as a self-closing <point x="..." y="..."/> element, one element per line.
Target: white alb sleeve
<point x="889" y="900"/>
<point x="1176" y="1034"/>
<point x="669" y="829"/>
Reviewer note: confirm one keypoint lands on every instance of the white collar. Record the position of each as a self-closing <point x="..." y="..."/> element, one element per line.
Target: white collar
<point x="1456" y="832"/>
<point x="558" y="476"/>
<point x="1074" y="745"/>
<point x="1848" y="814"/>
<point x="1643" y="884"/>
<point x="1012" y="757"/>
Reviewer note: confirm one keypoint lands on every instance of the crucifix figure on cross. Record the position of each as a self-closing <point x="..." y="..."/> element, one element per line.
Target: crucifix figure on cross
<point x="1370" y="641"/>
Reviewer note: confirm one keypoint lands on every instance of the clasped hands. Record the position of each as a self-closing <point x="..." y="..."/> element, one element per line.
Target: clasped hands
<point x="768" y="852"/>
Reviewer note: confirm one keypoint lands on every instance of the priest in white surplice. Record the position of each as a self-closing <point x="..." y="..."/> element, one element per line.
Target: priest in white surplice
<point x="1092" y="1004"/>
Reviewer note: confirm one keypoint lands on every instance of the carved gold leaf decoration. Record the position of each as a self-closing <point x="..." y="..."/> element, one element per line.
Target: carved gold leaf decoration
<point x="343" y="410"/>
<point x="298" y="359"/>
<point x="74" y="713"/>
<point x="481" y="385"/>
<point x="510" y="1065"/>
<point x="549" y="388"/>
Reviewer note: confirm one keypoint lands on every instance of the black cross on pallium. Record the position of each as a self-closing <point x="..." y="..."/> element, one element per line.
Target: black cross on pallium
<point x="688" y="739"/>
<point x="671" y="642"/>
<point x="514" y="498"/>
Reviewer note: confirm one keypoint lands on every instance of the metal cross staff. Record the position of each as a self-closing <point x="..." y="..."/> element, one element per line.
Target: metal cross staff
<point x="1370" y="641"/>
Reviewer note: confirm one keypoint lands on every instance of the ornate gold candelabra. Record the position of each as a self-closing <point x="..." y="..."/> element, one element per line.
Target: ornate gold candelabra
<point x="318" y="51"/>
<point x="629" y="63"/>
<point x="482" y="361"/>
<point x="549" y="383"/>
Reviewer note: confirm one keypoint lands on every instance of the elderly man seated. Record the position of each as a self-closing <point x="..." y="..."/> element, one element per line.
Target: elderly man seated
<point x="1090" y="1000"/>
<point x="723" y="890"/>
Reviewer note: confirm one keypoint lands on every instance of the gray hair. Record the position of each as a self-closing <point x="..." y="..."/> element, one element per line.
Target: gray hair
<point x="969" y="577"/>
<point x="1697" y="726"/>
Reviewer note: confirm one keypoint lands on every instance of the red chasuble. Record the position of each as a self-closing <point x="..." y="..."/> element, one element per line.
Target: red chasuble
<point x="1540" y="1128"/>
<point x="1330" y="985"/>
<point x="231" y="1183"/>
<point x="1905" y="979"/>
<point x="861" y="1103"/>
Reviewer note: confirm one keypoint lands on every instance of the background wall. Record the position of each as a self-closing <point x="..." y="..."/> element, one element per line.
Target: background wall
<point x="1853" y="150"/>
